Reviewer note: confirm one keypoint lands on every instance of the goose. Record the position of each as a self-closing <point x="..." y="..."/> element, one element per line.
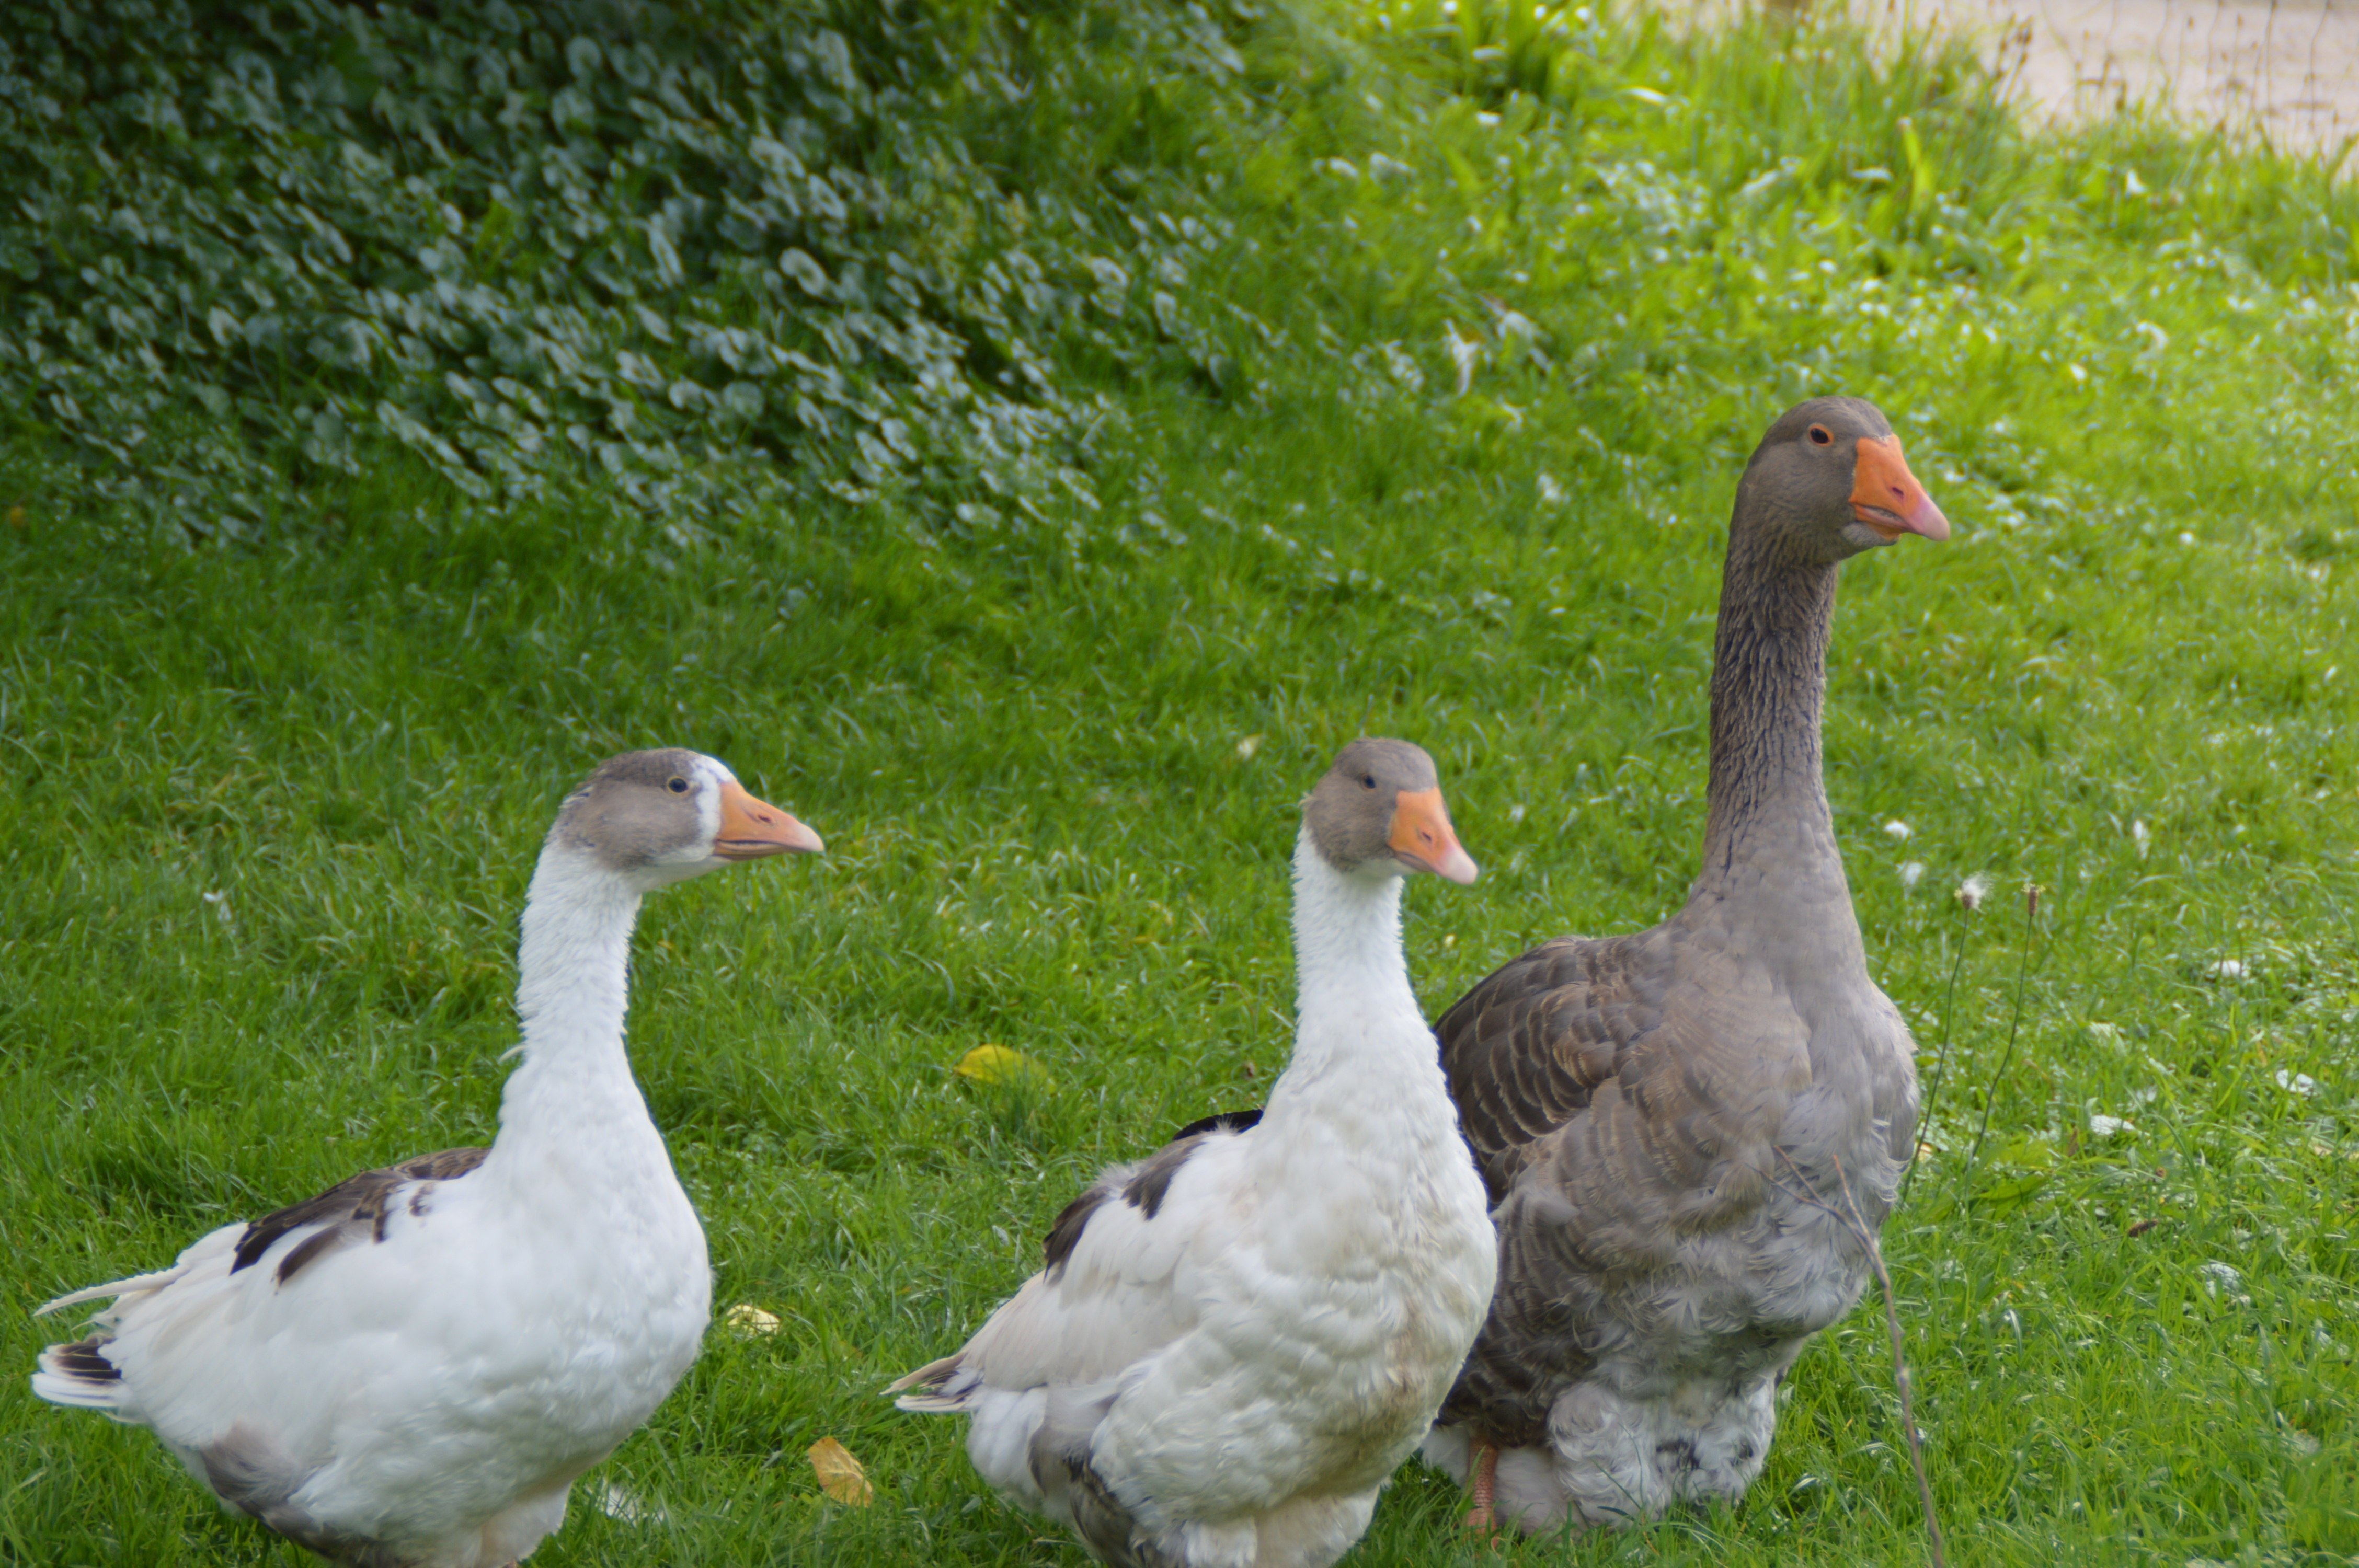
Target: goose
<point x="410" y="1370"/>
<point x="1670" y="1124"/>
<point x="1235" y="1342"/>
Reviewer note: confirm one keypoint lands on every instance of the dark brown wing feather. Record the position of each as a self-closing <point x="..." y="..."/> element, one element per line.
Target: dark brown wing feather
<point x="1142" y="1185"/>
<point x="1526" y="1049"/>
<point x="354" y="1207"/>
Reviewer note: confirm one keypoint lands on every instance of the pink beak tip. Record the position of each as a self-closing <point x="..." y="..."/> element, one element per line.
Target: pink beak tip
<point x="1459" y="867"/>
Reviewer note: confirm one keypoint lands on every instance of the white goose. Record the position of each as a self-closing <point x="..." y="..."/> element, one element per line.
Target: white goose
<point x="1236" y="1342"/>
<point x="410" y="1370"/>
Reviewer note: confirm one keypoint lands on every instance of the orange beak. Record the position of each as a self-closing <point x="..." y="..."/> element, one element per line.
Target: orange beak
<point x="1422" y="840"/>
<point x="1886" y="497"/>
<point x="751" y="829"/>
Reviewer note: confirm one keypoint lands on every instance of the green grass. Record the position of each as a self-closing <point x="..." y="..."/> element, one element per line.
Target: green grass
<point x="1025" y="746"/>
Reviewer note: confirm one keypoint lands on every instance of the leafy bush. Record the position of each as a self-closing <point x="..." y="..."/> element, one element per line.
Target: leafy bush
<point x="833" y="245"/>
<point x="702" y="253"/>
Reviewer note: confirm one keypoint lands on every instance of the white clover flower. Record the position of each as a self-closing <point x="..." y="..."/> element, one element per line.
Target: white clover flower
<point x="1911" y="873"/>
<point x="1465" y="353"/>
<point x="618" y="1504"/>
<point x="1897" y="828"/>
<point x="2296" y="1083"/>
<point x="2229" y="969"/>
<point x="2110" y="1125"/>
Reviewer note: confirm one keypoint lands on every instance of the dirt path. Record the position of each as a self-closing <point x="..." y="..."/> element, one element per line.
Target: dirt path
<point x="2291" y="67"/>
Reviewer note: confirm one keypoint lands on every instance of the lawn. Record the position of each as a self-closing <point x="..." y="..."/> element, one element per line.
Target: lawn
<point x="1494" y="320"/>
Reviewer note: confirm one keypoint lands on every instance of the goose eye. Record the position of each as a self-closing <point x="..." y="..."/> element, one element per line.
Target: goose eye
<point x="1367" y="780"/>
<point x="1819" y="436"/>
<point x="678" y="786"/>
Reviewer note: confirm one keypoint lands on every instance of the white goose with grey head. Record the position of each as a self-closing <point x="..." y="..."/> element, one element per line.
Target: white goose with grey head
<point x="410" y="1370"/>
<point x="1235" y="1341"/>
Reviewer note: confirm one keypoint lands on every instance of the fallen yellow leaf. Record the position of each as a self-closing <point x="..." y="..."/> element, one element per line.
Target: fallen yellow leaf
<point x="1000" y="1065"/>
<point x="840" y="1474"/>
<point x="748" y="1318"/>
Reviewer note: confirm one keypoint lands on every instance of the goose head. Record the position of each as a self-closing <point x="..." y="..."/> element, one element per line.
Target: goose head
<point x="1379" y="812"/>
<point x="649" y="818"/>
<point x="1828" y="480"/>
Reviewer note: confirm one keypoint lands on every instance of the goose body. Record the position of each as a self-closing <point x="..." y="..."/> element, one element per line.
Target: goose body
<point x="1236" y="1341"/>
<point x="410" y="1370"/>
<point x="1660" y="1117"/>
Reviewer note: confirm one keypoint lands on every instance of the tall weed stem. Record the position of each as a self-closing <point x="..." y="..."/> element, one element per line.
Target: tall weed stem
<point x="1852" y="1220"/>
<point x="1949" y="1037"/>
<point x="2014" y="1029"/>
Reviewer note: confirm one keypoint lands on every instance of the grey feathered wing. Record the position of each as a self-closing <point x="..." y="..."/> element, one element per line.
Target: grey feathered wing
<point x="1623" y="1098"/>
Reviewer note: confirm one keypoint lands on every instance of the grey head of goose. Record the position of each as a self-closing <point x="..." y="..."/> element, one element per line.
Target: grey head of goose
<point x="1828" y="480"/>
<point x="651" y="818"/>
<point x="1379" y="812"/>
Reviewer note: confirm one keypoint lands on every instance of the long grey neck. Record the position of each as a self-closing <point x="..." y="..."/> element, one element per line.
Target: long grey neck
<point x="1768" y="837"/>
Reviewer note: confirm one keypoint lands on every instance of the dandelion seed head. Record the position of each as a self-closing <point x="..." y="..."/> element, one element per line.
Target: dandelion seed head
<point x="1911" y="873"/>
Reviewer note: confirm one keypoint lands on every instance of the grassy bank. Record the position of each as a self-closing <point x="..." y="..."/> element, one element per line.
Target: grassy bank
<point x="1469" y="332"/>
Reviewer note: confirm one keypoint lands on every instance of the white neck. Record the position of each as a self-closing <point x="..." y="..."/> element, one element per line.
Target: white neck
<point x="573" y="1100"/>
<point x="1355" y="1010"/>
<point x="1360" y="1126"/>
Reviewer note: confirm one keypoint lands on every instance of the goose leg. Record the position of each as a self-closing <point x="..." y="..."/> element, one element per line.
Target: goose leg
<point x="1481" y="1481"/>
